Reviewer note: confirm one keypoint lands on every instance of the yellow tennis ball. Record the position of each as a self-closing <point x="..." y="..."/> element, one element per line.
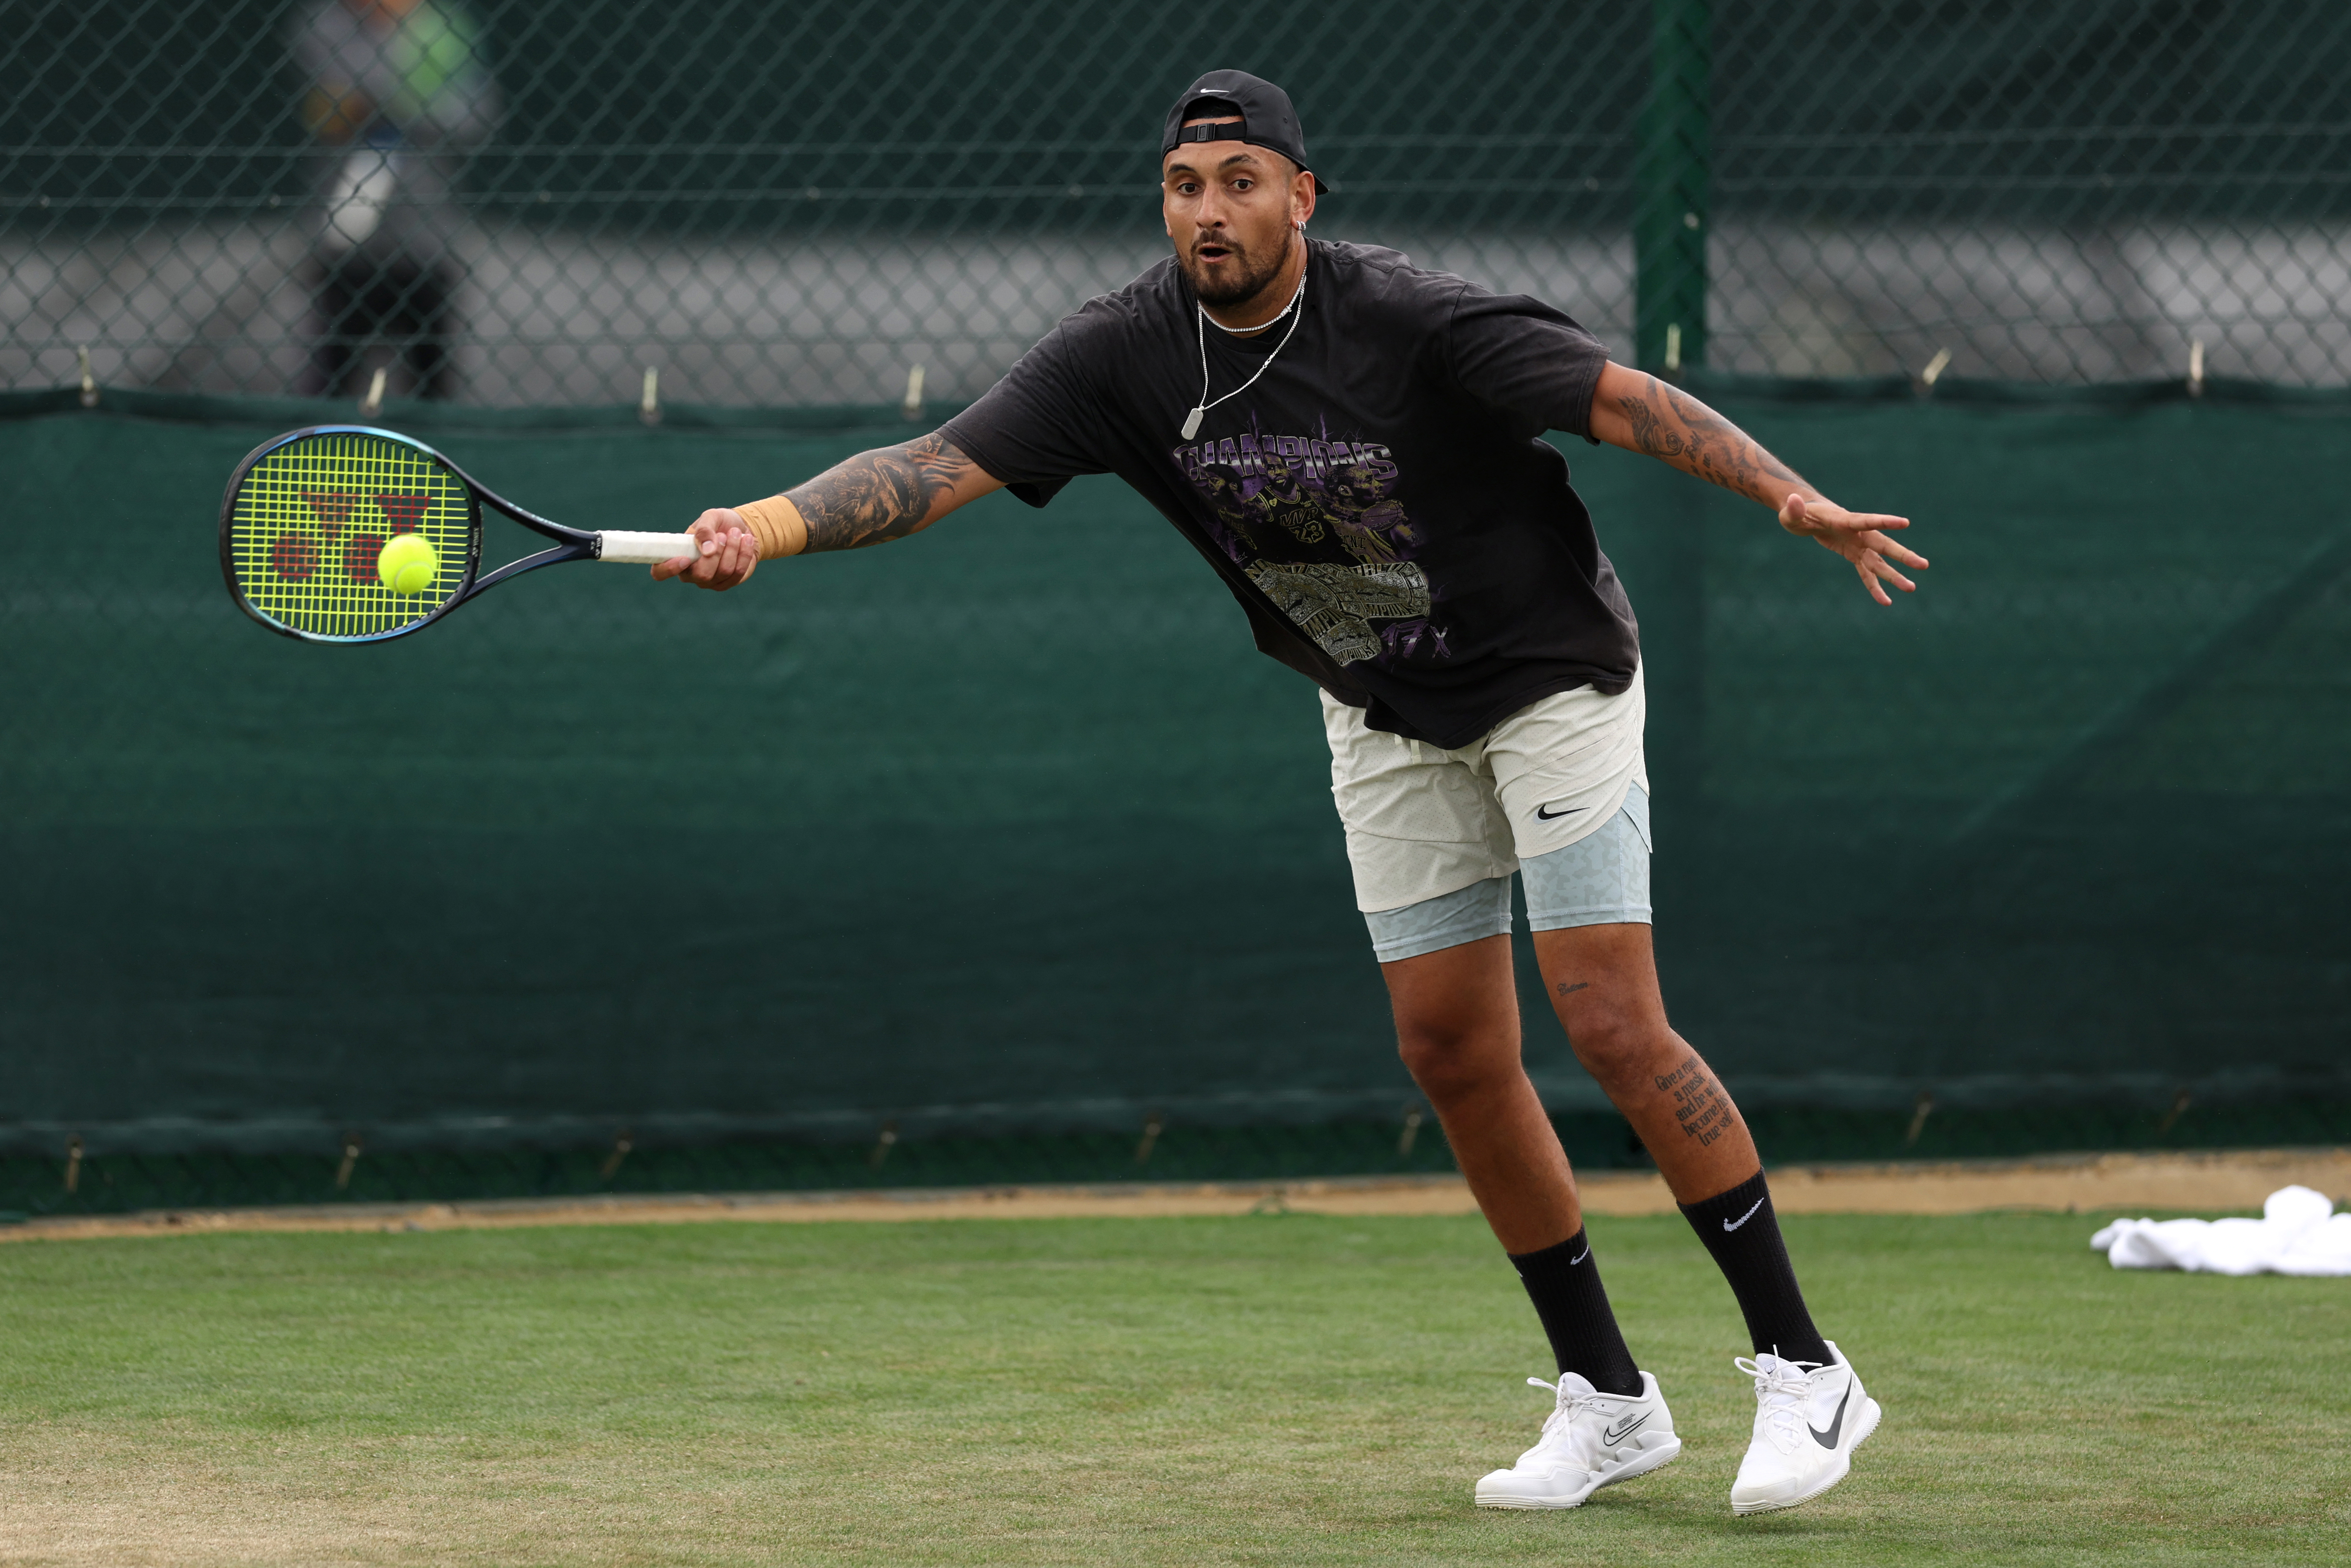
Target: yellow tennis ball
<point x="409" y="563"/>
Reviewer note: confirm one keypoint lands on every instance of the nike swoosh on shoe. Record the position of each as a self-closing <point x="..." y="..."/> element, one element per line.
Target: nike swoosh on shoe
<point x="1835" y="1424"/>
<point x="1615" y="1435"/>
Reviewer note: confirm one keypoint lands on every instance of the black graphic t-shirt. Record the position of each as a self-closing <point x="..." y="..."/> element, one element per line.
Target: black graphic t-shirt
<point x="1380" y="500"/>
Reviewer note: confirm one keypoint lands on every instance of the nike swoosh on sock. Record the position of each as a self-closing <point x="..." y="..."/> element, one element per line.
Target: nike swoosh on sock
<point x="1735" y="1224"/>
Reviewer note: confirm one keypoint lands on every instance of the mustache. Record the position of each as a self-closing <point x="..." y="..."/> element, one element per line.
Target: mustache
<point x="1239" y="275"/>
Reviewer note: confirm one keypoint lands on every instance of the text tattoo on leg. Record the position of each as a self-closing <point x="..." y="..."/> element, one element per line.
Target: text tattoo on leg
<point x="878" y="495"/>
<point x="1699" y="1104"/>
<point x="1566" y="989"/>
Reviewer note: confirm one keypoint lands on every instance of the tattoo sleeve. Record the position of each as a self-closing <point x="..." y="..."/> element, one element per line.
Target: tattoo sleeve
<point x="1674" y="427"/>
<point x="878" y="495"/>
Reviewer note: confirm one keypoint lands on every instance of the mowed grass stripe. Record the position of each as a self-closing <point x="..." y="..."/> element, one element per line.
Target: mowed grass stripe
<point x="1278" y="1389"/>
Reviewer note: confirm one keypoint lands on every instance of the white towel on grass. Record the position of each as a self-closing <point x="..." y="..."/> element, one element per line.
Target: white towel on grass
<point x="2298" y="1233"/>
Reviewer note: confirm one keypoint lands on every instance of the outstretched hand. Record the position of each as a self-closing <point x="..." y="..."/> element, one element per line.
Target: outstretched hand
<point x="1860" y="538"/>
<point x="729" y="552"/>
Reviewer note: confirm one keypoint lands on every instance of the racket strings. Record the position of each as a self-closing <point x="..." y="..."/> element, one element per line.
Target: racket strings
<point x="312" y="518"/>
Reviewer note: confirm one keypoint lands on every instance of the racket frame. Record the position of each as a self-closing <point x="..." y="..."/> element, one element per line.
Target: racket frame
<point x="570" y="544"/>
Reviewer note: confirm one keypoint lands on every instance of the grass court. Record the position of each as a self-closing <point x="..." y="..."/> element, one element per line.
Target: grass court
<point x="1274" y="1389"/>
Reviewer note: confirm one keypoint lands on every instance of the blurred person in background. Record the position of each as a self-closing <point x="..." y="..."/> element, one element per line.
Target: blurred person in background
<point x="400" y="85"/>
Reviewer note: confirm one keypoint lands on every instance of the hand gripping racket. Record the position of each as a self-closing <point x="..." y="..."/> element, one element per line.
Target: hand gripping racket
<point x="311" y="515"/>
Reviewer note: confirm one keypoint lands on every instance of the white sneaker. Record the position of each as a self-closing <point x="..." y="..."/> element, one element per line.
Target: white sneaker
<point x="1590" y="1440"/>
<point x="1808" y="1418"/>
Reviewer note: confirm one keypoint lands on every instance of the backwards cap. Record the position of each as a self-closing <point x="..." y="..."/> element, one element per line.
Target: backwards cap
<point x="1266" y="118"/>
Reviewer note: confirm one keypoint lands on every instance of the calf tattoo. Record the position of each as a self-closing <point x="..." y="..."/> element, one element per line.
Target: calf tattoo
<point x="1566" y="989"/>
<point x="878" y="495"/>
<point x="1699" y="1104"/>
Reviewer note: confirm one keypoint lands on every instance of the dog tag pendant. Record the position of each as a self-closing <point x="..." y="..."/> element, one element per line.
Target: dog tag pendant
<point x="1192" y="425"/>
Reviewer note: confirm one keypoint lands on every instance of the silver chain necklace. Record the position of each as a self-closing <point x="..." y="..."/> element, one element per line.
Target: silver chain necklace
<point x="1200" y="410"/>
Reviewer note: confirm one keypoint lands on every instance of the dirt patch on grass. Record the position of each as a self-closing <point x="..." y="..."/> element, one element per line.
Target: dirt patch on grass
<point x="2233" y="1179"/>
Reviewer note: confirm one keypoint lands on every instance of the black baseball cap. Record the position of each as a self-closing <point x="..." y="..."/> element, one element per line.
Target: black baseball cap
<point x="1266" y="118"/>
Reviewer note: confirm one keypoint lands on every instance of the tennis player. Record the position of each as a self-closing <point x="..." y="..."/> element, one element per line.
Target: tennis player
<point x="1354" y="445"/>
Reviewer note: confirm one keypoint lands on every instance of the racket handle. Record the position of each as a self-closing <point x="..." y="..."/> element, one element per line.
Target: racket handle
<point x="643" y="549"/>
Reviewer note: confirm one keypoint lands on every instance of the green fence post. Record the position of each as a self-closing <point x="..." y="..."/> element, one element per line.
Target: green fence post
<point x="1669" y="181"/>
<point x="1664" y="553"/>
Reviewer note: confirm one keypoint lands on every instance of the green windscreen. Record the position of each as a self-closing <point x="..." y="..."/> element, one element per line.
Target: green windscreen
<point x="1006" y="828"/>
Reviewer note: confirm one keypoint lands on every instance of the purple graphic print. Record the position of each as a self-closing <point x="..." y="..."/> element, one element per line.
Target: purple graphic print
<point x="1316" y="525"/>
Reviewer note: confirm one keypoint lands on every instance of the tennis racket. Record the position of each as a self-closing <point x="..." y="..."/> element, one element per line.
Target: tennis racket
<point x="310" y="532"/>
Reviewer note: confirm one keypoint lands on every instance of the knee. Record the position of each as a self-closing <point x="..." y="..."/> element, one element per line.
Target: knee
<point x="1451" y="1063"/>
<point x="1618" y="1048"/>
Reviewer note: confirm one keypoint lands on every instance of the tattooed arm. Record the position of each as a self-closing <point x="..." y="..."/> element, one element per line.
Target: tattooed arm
<point x="1641" y="414"/>
<point x="885" y="495"/>
<point x="872" y="498"/>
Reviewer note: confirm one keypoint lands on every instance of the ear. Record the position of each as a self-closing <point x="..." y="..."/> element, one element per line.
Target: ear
<point x="1302" y="199"/>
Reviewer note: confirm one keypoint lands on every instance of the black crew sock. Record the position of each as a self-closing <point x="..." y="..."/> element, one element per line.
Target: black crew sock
<point x="1565" y="1283"/>
<point x="1739" y="1228"/>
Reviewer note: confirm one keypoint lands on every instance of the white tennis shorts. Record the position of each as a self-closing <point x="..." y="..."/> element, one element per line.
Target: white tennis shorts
<point x="1428" y="829"/>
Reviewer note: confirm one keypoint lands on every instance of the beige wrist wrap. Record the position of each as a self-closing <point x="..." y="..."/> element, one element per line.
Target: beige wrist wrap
<point x="776" y="524"/>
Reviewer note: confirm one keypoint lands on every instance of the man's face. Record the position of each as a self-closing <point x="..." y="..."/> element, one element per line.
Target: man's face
<point x="1231" y="209"/>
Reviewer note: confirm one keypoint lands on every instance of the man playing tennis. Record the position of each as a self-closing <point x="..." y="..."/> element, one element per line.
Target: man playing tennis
<point x="1354" y="445"/>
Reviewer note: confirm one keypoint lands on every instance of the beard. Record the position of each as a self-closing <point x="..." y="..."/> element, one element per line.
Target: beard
<point x="1243" y="278"/>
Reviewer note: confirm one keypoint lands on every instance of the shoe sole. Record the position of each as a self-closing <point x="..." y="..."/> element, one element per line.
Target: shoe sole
<point x="1863" y="1426"/>
<point x="1648" y="1460"/>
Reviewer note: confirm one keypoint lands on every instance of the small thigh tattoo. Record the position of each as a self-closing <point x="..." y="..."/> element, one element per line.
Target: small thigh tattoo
<point x="1565" y="989"/>
<point x="1699" y="1104"/>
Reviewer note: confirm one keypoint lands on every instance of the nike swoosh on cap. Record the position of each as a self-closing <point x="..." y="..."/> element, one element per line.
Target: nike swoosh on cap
<point x="1829" y="1441"/>
<point x="1543" y="816"/>
<point x="1735" y="1224"/>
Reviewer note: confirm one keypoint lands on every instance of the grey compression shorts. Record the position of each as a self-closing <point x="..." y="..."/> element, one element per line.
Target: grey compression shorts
<point x="1556" y="792"/>
<point x="1601" y="879"/>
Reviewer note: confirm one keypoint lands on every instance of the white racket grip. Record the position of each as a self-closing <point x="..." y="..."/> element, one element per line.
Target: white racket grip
<point x="643" y="549"/>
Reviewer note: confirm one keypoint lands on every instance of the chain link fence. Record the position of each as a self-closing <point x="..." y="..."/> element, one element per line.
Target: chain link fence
<point x="2048" y="857"/>
<point x="522" y="204"/>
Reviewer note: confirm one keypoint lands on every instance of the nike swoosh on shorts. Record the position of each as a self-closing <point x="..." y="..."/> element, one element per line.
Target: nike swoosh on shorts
<point x="1543" y="816"/>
